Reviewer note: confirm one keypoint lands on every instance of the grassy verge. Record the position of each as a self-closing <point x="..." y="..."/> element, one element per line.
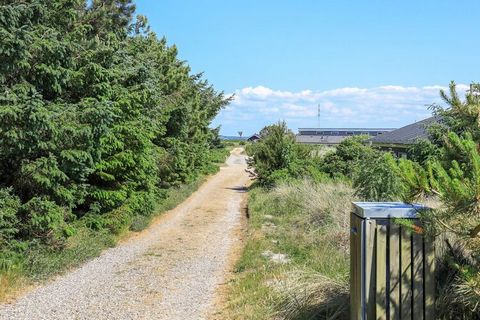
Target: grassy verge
<point x="41" y="262"/>
<point x="295" y="264"/>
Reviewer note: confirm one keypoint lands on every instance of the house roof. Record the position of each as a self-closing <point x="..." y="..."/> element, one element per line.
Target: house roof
<point x="345" y="129"/>
<point x="254" y="137"/>
<point x="406" y="135"/>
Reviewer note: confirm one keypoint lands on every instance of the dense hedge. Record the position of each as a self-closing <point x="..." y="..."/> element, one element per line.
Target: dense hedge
<point x="97" y="117"/>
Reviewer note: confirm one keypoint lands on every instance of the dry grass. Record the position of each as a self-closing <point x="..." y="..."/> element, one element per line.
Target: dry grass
<point x="312" y="295"/>
<point x="11" y="284"/>
<point x="309" y="223"/>
<point x="458" y="282"/>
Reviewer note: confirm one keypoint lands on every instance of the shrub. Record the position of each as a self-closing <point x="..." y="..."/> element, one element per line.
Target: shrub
<point x="377" y="178"/>
<point x="44" y="220"/>
<point x="94" y="221"/>
<point x="118" y="220"/>
<point x="277" y="157"/>
<point x="9" y="223"/>
<point x="215" y="139"/>
<point x="10" y="260"/>
<point x="423" y="151"/>
<point x="43" y="177"/>
<point x="142" y="203"/>
<point x="344" y="160"/>
<point x="274" y="152"/>
<point x="88" y="126"/>
<point x="455" y="178"/>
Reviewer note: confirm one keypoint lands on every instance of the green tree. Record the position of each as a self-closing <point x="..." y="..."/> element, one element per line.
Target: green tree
<point x="423" y="151"/>
<point x="277" y="155"/>
<point x="455" y="178"/>
<point x="344" y="160"/>
<point x="96" y="112"/>
<point x="9" y="222"/>
<point x="377" y="178"/>
<point x="44" y="220"/>
<point x="459" y="116"/>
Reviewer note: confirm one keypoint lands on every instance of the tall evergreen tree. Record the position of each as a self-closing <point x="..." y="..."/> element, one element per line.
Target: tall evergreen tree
<point x="96" y="112"/>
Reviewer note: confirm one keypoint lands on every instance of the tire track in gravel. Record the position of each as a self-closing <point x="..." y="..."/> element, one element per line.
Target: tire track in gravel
<point x="172" y="270"/>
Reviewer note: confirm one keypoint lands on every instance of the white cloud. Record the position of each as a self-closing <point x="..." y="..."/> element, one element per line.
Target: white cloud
<point x="384" y="106"/>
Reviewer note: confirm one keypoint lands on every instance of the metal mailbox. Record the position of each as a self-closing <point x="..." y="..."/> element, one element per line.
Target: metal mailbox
<point x="391" y="265"/>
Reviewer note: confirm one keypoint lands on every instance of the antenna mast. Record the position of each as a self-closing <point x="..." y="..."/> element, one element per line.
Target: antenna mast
<point x="318" y="116"/>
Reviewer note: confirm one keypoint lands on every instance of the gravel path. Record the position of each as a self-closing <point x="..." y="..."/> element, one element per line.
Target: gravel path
<point x="172" y="270"/>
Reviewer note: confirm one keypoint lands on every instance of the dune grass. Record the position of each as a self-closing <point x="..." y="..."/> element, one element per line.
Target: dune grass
<point x="308" y="223"/>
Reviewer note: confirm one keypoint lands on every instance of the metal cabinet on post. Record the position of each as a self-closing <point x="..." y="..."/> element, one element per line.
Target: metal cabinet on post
<point x="391" y="264"/>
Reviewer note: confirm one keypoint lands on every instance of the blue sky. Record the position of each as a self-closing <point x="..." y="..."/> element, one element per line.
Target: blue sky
<point x="368" y="63"/>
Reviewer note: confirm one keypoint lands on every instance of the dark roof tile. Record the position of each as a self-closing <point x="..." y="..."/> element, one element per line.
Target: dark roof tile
<point x="406" y="135"/>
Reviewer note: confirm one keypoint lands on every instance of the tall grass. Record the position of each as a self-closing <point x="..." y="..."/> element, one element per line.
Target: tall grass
<point x="309" y="223"/>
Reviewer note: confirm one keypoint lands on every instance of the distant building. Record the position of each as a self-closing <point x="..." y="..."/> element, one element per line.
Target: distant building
<point x="333" y="136"/>
<point x="254" y="138"/>
<point x="398" y="141"/>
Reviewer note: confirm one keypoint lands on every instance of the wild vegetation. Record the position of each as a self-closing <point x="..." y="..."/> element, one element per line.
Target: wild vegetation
<point x="295" y="264"/>
<point x="300" y="205"/>
<point x="278" y="158"/>
<point x="100" y="122"/>
<point x="453" y="175"/>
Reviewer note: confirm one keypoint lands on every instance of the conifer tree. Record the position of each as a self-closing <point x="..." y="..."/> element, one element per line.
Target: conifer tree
<point x="96" y="113"/>
<point x="455" y="178"/>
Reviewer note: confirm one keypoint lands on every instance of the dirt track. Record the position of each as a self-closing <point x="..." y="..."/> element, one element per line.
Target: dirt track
<point x="172" y="270"/>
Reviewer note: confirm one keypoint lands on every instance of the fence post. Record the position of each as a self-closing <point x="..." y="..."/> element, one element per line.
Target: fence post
<point x="391" y="265"/>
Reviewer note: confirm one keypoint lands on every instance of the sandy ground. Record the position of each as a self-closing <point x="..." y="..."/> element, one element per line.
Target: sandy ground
<point x="173" y="270"/>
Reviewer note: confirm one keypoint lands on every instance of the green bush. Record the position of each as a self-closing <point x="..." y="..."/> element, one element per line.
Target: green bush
<point x="96" y="114"/>
<point x="10" y="261"/>
<point x="9" y="222"/>
<point x="423" y="151"/>
<point x="94" y="221"/>
<point x="453" y="177"/>
<point x="277" y="157"/>
<point x="215" y="140"/>
<point x="344" y="160"/>
<point x="142" y="203"/>
<point x="119" y="220"/>
<point x="377" y="178"/>
<point x="44" y="220"/>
